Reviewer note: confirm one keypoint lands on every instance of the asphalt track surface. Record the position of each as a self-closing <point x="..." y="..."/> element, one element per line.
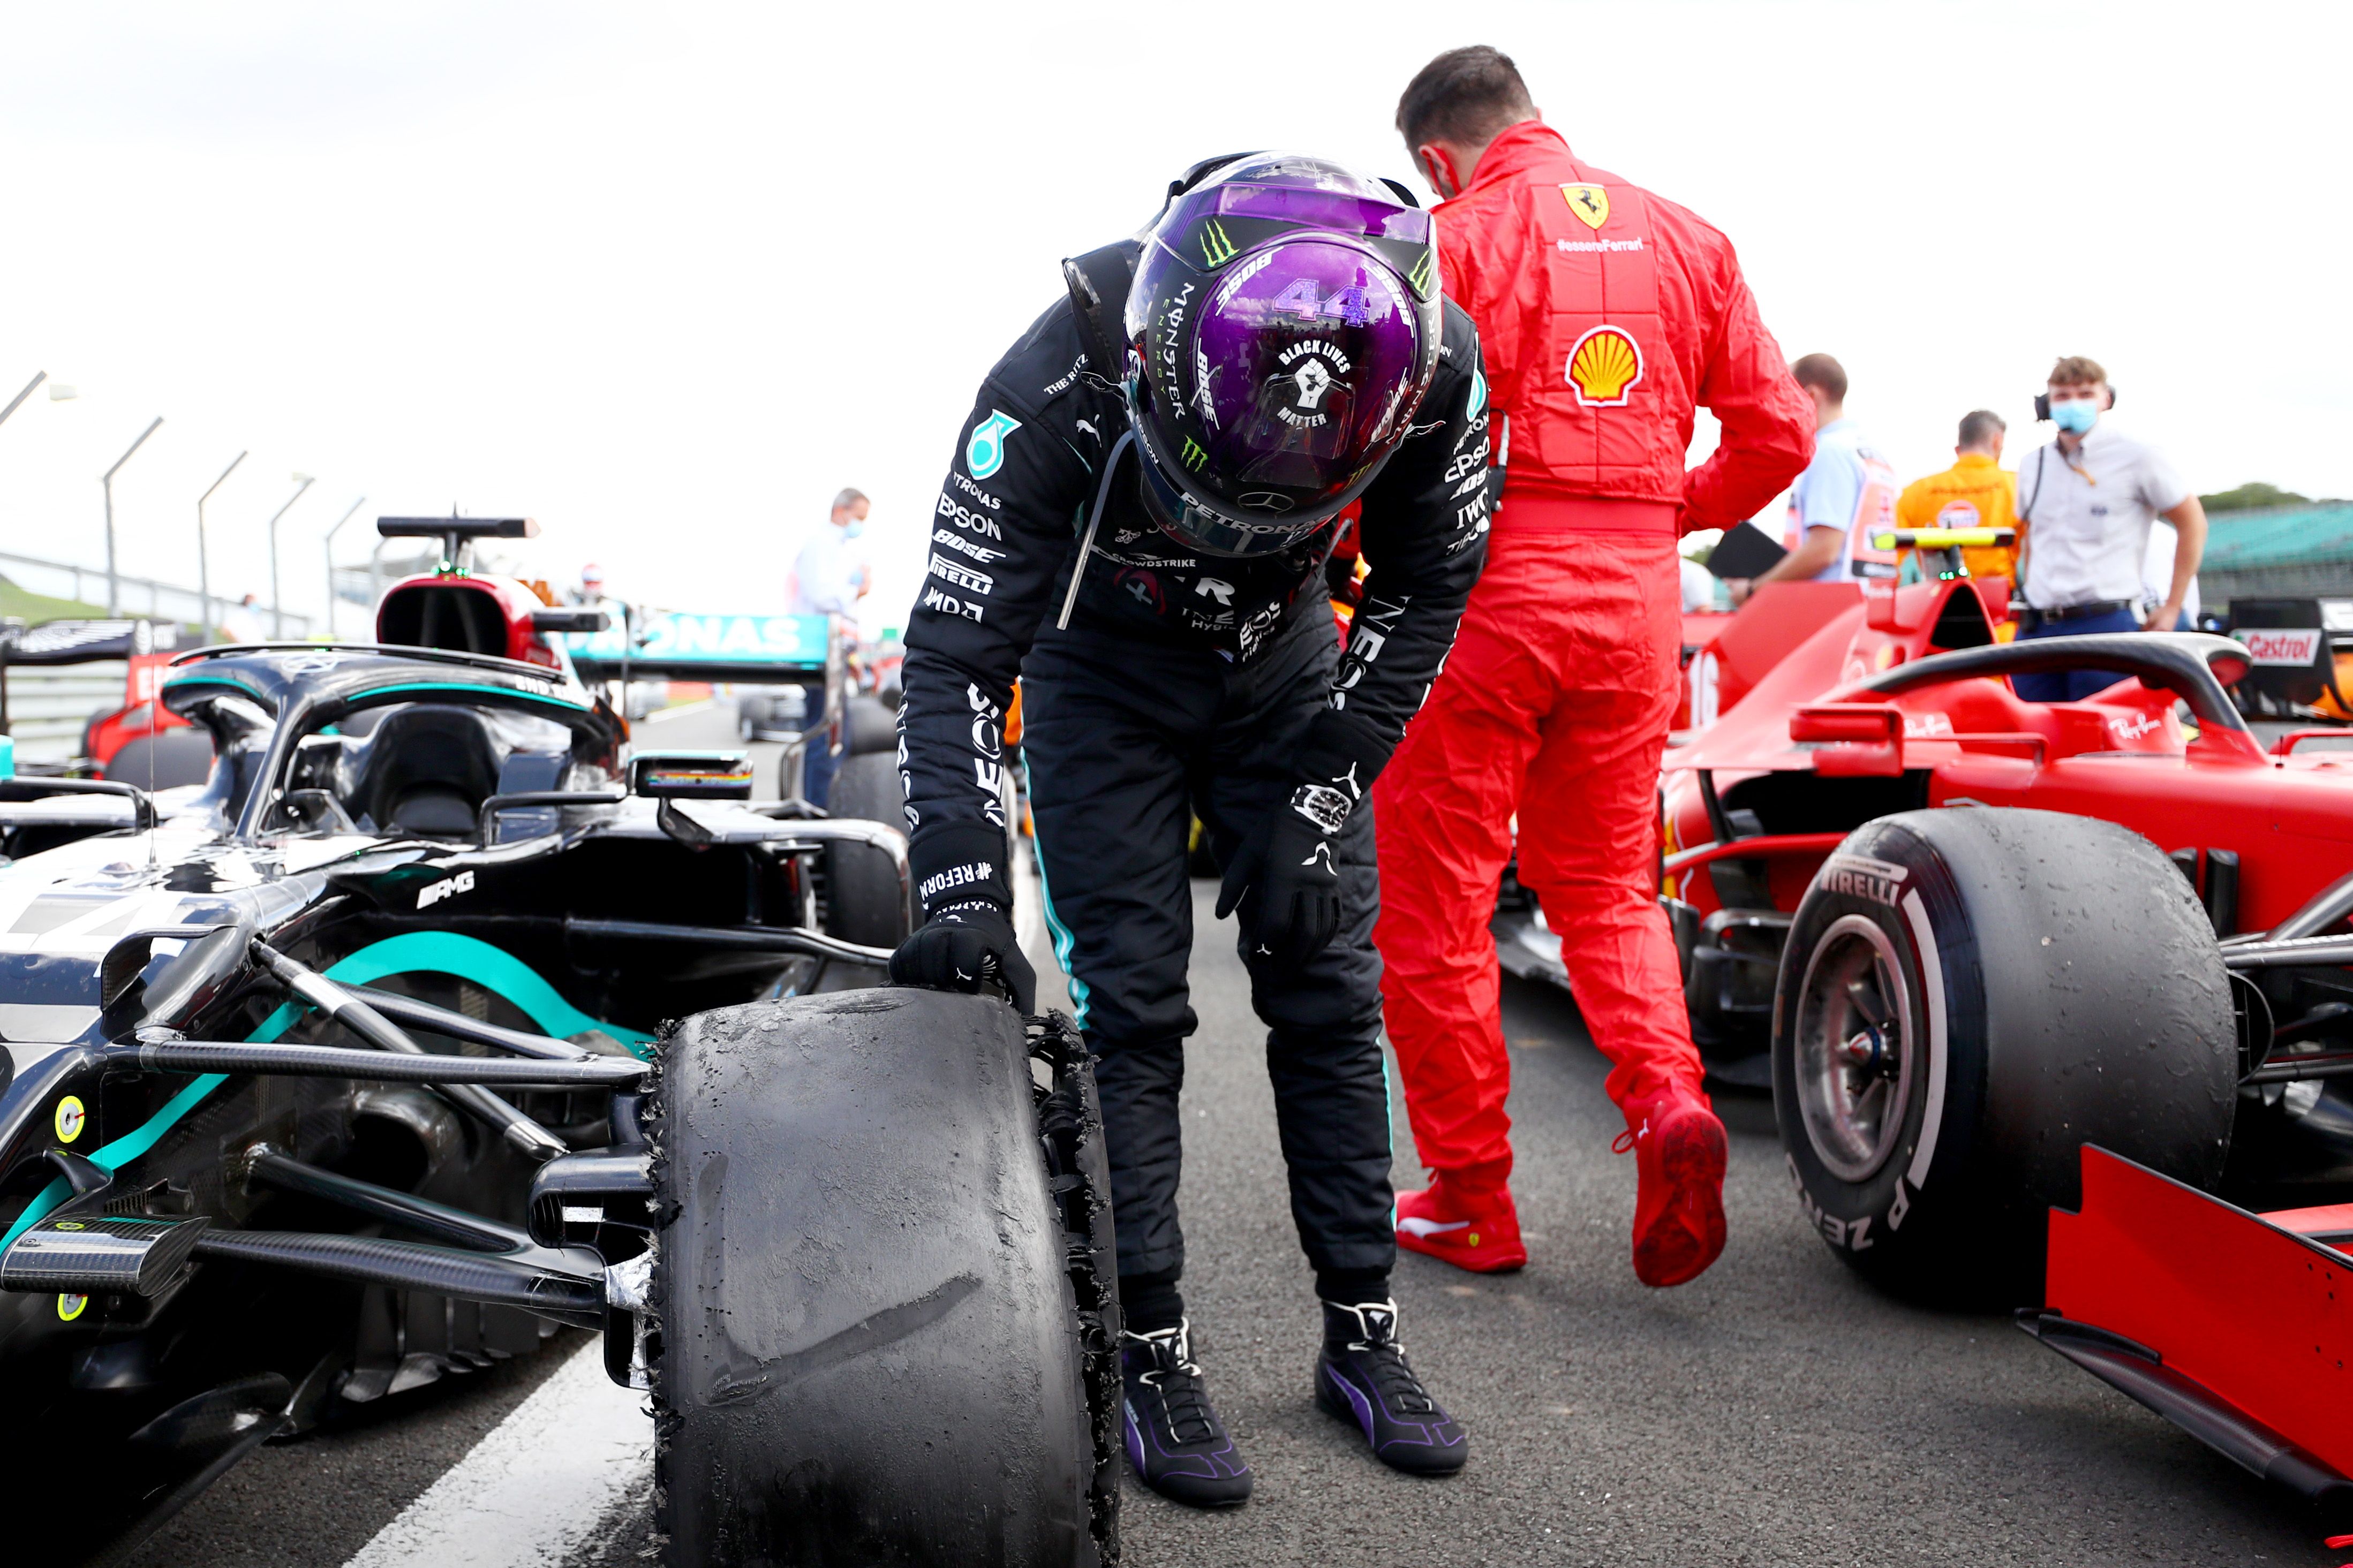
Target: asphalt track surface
<point x="1775" y="1412"/>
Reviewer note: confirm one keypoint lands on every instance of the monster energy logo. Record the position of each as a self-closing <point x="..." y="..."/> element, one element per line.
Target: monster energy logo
<point x="1216" y="248"/>
<point x="1194" y="454"/>
<point x="1419" y="276"/>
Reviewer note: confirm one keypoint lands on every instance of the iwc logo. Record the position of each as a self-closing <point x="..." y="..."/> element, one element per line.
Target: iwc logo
<point x="1308" y="371"/>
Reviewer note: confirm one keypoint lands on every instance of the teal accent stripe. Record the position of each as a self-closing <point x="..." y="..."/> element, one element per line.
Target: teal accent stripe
<point x="474" y="691"/>
<point x="424" y="951"/>
<point x="492" y="968"/>
<point x="1054" y="926"/>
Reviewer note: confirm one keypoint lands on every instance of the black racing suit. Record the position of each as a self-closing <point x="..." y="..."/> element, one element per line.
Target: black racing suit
<point x="1186" y="684"/>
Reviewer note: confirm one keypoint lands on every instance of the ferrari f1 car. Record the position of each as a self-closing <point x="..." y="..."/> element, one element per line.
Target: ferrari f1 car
<point x="434" y="1020"/>
<point x="2003" y="957"/>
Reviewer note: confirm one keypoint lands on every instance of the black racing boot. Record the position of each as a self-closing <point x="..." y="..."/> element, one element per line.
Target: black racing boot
<point x="1176" y="1442"/>
<point x="1362" y="1377"/>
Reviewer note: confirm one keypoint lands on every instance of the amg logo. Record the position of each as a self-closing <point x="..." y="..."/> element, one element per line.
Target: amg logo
<point x="963" y="577"/>
<point x="1860" y="876"/>
<point x="447" y="887"/>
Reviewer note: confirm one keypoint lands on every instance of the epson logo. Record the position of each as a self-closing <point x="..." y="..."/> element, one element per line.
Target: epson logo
<point x="970" y="520"/>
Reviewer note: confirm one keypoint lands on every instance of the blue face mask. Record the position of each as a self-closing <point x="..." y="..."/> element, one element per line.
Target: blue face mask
<point x="852" y="529"/>
<point x="2076" y="415"/>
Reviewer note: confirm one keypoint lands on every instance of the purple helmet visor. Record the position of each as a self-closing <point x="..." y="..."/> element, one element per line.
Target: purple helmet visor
<point x="1211" y="227"/>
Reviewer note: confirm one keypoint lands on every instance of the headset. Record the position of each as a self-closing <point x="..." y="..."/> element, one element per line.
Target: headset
<point x="2042" y="406"/>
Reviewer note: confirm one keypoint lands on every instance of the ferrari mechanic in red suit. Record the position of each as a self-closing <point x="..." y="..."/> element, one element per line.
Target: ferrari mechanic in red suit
<point x="1607" y="313"/>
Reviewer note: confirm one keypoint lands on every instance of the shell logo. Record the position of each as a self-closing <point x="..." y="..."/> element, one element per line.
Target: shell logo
<point x="1604" y="366"/>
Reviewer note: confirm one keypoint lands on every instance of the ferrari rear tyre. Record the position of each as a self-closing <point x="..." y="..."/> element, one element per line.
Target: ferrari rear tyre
<point x="865" y="899"/>
<point x="882" y="1289"/>
<point x="1967" y="998"/>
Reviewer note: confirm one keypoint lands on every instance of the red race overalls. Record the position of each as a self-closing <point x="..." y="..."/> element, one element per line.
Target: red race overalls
<point x="1606" y="314"/>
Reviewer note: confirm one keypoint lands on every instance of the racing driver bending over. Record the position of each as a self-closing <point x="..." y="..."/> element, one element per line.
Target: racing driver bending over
<point x="1607" y="312"/>
<point x="1181" y="435"/>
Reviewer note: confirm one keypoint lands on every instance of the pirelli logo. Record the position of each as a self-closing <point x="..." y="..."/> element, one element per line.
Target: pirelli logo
<point x="1861" y="877"/>
<point x="962" y="576"/>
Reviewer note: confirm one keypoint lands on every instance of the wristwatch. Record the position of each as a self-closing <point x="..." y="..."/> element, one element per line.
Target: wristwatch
<point x="1322" y="804"/>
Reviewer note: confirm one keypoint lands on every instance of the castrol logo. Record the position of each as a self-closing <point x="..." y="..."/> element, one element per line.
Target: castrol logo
<point x="2299" y="649"/>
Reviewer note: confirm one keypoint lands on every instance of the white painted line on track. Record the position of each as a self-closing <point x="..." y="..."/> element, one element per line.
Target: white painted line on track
<point x="660" y="715"/>
<point x="537" y="1487"/>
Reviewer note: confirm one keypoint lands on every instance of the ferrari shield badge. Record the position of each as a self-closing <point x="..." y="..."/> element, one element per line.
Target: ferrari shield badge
<point x="1590" y="202"/>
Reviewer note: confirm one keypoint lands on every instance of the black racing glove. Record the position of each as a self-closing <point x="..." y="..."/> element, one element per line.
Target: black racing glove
<point x="966" y="940"/>
<point x="1286" y="862"/>
<point x="963" y="948"/>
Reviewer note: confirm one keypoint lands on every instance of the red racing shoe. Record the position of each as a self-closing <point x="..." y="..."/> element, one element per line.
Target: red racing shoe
<point x="1679" y="1154"/>
<point x="1473" y="1226"/>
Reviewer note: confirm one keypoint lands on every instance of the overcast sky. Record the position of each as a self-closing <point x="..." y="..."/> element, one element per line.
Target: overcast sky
<point x="666" y="277"/>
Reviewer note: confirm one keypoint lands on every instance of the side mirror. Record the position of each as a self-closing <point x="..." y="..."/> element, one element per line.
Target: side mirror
<point x="581" y="622"/>
<point x="691" y="775"/>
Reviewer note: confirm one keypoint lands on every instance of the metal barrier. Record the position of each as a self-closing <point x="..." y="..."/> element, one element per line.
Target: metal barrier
<point x="140" y="595"/>
<point x="47" y="706"/>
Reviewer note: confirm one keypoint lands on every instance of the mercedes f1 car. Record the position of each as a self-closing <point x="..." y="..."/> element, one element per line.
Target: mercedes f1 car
<point x="435" y="1019"/>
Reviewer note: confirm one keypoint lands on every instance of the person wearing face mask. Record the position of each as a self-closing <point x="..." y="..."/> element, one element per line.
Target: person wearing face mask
<point x="2087" y="502"/>
<point x="830" y="575"/>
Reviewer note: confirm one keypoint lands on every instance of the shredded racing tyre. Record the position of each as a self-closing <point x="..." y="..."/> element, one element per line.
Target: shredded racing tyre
<point x="884" y="1331"/>
<point x="1967" y="998"/>
<point x="865" y="901"/>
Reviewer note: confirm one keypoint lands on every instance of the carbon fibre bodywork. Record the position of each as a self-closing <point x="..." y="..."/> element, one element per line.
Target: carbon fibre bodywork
<point x="207" y="1235"/>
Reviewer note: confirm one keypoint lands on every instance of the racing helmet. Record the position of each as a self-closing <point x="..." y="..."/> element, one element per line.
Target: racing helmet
<point x="1281" y="330"/>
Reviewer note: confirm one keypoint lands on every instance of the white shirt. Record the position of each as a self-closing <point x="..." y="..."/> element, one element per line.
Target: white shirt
<point x="2156" y="569"/>
<point x="828" y="574"/>
<point x="1699" y="587"/>
<point x="2088" y="518"/>
<point x="1851" y="487"/>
